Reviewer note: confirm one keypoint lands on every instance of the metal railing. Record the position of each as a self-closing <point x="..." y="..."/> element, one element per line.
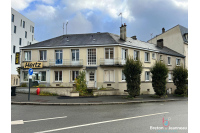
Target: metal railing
<point x="115" y="61"/>
<point x="65" y="62"/>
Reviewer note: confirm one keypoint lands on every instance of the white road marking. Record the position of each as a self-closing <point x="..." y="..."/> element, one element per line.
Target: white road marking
<point x="46" y="119"/>
<point x="22" y="122"/>
<point x="17" y="122"/>
<point x="58" y="129"/>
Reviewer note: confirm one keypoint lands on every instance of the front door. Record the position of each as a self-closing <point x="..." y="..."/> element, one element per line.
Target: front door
<point x="91" y="78"/>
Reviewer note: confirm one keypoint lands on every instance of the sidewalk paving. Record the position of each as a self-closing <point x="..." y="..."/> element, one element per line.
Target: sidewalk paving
<point x="21" y="98"/>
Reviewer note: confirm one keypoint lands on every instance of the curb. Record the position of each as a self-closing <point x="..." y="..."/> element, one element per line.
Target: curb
<point x="103" y="103"/>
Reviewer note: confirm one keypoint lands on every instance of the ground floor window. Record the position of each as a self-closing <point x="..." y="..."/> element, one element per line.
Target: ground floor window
<point x="58" y="75"/>
<point x="25" y="76"/>
<point x="43" y="76"/>
<point x="123" y="76"/>
<point x="109" y="75"/>
<point x="74" y="75"/>
<point x="147" y="76"/>
<point x="169" y="76"/>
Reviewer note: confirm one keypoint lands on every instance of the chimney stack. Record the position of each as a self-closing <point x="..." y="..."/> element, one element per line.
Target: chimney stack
<point x="163" y="30"/>
<point x="123" y="32"/>
<point x="160" y="43"/>
<point x="134" y="37"/>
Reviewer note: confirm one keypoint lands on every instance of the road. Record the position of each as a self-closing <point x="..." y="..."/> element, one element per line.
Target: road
<point x="126" y="118"/>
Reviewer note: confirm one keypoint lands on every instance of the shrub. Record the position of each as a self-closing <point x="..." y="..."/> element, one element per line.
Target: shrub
<point x="80" y="83"/>
<point x="180" y="76"/>
<point x="47" y="94"/>
<point x="159" y="74"/>
<point x="132" y="71"/>
<point x="23" y="85"/>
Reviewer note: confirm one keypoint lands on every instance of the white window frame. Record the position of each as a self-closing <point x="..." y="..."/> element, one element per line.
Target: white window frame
<point x="168" y="60"/>
<point x="161" y="57"/>
<point x="43" y="55"/>
<point x="124" y="53"/>
<point x="41" y="76"/>
<point x="75" y="74"/>
<point x="109" y="49"/>
<point x="146" y="75"/>
<point x="28" y="56"/>
<point x="170" y="75"/>
<point x="147" y="58"/>
<point x="123" y="76"/>
<point x="58" y="76"/>
<point x="23" y="76"/>
<point x="109" y="75"/>
<point x="59" y="52"/>
<point x="75" y="54"/>
<point x="177" y="61"/>
<point x="91" y="64"/>
<point x="154" y="57"/>
<point x="136" y="51"/>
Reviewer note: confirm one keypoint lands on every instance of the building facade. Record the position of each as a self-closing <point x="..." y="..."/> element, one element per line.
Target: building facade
<point x="176" y="39"/>
<point x="22" y="34"/>
<point x="58" y="61"/>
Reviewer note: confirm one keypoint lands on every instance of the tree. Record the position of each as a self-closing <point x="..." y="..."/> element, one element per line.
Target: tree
<point x="81" y="85"/>
<point x="132" y="71"/>
<point x="180" y="76"/>
<point x="159" y="74"/>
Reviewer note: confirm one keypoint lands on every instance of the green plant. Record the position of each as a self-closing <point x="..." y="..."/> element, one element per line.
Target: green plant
<point x="47" y="94"/>
<point x="159" y="74"/>
<point x="80" y="83"/>
<point x="23" y="85"/>
<point x="180" y="76"/>
<point x="40" y="85"/>
<point x="102" y="88"/>
<point x="18" y="71"/>
<point x="132" y="71"/>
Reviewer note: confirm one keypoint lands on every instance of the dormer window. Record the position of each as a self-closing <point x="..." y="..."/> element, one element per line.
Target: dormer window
<point x="186" y="36"/>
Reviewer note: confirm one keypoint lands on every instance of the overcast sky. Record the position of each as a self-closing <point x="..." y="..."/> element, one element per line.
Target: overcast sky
<point x="142" y="17"/>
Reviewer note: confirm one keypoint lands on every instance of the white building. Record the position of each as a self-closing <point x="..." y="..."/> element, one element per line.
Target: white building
<point x="22" y="34"/>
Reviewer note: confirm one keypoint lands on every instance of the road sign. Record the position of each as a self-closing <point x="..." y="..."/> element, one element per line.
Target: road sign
<point x="30" y="71"/>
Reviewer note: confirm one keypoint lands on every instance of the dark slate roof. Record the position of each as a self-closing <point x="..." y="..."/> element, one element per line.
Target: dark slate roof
<point x="100" y="39"/>
<point x="183" y="32"/>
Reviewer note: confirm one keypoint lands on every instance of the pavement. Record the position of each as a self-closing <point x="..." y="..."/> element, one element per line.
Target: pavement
<point x="22" y="99"/>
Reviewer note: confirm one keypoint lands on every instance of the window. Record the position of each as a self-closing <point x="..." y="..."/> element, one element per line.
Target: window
<point x="109" y="75"/>
<point x="74" y="75"/>
<point x="153" y="56"/>
<point x="123" y="76"/>
<point x="75" y="54"/>
<point x="109" y="53"/>
<point x="15" y="29"/>
<point x="147" y="76"/>
<point x="169" y="60"/>
<point x="30" y="43"/>
<point x="13" y="17"/>
<point x="91" y="56"/>
<point x="58" y="56"/>
<point x="124" y="54"/>
<point x="27" y="55"/>
<point x="169" y="76"/>
<point x="136" y="55"/>
<point x="161" y="57"/>
<point x="13" y="49"/>
<point x="178" y="61"/>
<point x="43" y="75"/>
<point x="43" y="55"/>
<point x="32" y="37"/>
<point x="16" y="81"/>
<point x="32" y="29"/>
<point x="25" y="34"/>
<point x="23" y="24"/>
<point x="36" y="77"/>
<point x="147" y="57"/>
<point x="20" y="41"/>
<point x="58" y="75"/>
<point x="25" y="76"/>
<point x="91" y="76"/>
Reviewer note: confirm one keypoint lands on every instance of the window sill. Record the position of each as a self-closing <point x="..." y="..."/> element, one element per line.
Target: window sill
<point x="57" y="82"/>
<point x="42" y="61"/>
<point x="169" y="64"/>
<point x="108" y="82"/>
<point x="147" y="62"/>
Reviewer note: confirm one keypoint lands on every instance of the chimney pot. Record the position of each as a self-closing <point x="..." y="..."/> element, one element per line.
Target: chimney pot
<point x="163" y="30"/>
<point x="134" y="37"/>
<point x="160" y="43"/>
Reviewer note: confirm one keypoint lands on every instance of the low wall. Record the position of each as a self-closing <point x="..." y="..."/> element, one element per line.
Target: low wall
<point x="107" y="92"/>
<point x="61" y="91"/>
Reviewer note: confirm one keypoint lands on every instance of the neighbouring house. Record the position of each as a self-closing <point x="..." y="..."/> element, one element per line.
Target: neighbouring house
<point x="22" y="34"/>
<point x="57" y="61"/>
<point x="176" y="39"/>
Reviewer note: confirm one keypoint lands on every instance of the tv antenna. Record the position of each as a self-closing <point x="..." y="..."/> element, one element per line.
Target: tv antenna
<point x="66" y="27"/>
<point x="121" y="17"/>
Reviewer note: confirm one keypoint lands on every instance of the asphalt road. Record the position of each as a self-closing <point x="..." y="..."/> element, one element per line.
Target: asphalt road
<point x="126" y="118"/>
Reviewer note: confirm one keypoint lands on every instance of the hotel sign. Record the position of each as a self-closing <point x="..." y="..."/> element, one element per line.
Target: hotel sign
<point x="33" y="65"/>
<point x="17" y="54"/>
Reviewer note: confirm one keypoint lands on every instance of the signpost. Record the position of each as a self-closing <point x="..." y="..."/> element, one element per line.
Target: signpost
<point x="30" y="72"/>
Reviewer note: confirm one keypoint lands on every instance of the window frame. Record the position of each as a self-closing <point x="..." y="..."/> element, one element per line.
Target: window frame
<point x="27" y="54"/>
<point x="154" y="57"/>
<point x="43" y="55"/>
<point x="179" y="61"/>
<point x="14" y="49"/>
<point x="123" y="76"/>
<point x="13" y="18"/>
<point x="137" y="51"/>
<point x="124" y="54"/>
<point x="109" y="75"/>
<point x="58" y="76"/>
<point x="23" y="73"/>
<point x="147" y="58"/>
<point x="109" y="49"/>
<point x="15" y="29"/>
<point x="169" y="79"/>
<point x="72" y="75"/>
<point x="169" y="57"/>
<point x="23" y="24"/>
<point x="161" y="57"/>
<point x="146" y="75"/>
<point x="75" y="51"/>
<point x="26" y="34"/>
<point x="20" y="41"/>
<point x="59" y="51"/>
<point x="91" y="64"/>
